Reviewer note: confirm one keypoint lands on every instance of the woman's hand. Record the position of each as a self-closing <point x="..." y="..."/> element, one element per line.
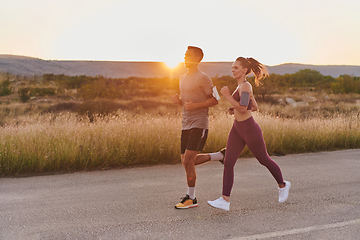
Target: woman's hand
<point x="225" y="91"/>
<point x="231" y="111"/>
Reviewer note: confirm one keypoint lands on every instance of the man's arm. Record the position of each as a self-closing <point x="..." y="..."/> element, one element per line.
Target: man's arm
<point x="176" y="100"/>
<point x="189" y="105"/>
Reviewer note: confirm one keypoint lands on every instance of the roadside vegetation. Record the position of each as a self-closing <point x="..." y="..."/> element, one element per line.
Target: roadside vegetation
<point x="57" y="123"/>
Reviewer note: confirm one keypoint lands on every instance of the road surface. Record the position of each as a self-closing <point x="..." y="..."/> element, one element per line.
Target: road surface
<point x="138" y="203"/>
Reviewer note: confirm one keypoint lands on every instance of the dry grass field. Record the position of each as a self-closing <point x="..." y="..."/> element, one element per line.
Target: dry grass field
<point x="54" y="134"/>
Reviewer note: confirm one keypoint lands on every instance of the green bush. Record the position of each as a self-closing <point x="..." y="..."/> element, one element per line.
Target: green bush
<point x="24" y="94"/>
<point x="27" y="92"/>
<point x="6" y="88"/>
<point x="42" y="91"/>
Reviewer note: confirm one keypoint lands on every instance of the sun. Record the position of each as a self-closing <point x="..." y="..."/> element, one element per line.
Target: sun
<point x="171" y="63"/>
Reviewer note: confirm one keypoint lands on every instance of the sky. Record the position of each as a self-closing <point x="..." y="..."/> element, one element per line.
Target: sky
<point x="320" y="32"/>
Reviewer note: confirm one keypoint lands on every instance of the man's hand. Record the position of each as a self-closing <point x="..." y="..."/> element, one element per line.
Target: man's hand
<point x="189" y="105"/>
<point x="175" y="99"/>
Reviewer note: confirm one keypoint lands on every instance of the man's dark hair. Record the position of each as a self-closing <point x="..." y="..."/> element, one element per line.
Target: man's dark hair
<point x="198" y="51"/>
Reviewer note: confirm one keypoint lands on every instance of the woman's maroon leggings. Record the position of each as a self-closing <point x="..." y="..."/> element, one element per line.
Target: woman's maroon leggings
<point x="248" y="133"/>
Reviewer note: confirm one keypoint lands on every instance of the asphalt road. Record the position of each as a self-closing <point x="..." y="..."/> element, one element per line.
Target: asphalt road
<point x="138" y="203"/>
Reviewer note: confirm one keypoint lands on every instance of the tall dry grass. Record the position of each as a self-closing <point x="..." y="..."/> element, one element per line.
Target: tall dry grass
<point x="63" y="143"/>
<point x="66" y="143"/>
<point x="291" y="135"/>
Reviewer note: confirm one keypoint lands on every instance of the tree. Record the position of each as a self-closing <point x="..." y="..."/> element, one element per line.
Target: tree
<point x="268" y="85"/>
<point x="346" y="84"/>
<point x="307" y="78"/>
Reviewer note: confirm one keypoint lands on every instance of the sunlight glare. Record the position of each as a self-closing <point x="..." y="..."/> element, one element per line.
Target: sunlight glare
<point x="172" y="63"/>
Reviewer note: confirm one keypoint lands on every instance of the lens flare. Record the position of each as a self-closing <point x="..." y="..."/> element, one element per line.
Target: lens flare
<point x="172" y="63"/>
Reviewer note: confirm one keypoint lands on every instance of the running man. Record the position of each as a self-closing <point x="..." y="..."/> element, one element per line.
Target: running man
<point x="197" y="94"/>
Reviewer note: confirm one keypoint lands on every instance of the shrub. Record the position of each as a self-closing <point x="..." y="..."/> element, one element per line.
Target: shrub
<point x="27" y="92"/>
<point x="24" y="94"/>
<point x="101" y="88"/>
<point x="6" y="88"/>
<point x="42" y="91"/>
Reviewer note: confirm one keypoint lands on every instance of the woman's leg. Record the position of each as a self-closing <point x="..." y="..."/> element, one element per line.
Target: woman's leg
<point x="235" y="145"/>
<point x="256" y="144"/>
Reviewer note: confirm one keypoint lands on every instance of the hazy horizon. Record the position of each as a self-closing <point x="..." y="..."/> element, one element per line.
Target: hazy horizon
<point x="89" y="60"/>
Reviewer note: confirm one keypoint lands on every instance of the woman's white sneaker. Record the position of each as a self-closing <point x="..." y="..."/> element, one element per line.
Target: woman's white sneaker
<point x="220" y="203"/>
<point x="284" y="192"/>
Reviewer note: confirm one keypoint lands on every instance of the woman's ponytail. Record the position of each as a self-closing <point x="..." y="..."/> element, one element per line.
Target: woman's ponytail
<point x="254" y="66"/>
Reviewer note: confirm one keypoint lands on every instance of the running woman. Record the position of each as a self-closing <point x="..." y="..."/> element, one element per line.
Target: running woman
<point x="245" y="131"/>
<point x="197" y="94"/>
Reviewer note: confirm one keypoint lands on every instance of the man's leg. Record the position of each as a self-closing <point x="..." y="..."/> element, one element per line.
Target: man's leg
<point x="191" y="139"/>
<point x="188" y="162"/>
<point x="188" y="159"/>
<point x="202" y="158"/>
<point x="206" y="157"/>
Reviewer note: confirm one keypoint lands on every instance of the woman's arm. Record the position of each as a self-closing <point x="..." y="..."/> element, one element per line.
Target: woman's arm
<point x="236" y="105"/>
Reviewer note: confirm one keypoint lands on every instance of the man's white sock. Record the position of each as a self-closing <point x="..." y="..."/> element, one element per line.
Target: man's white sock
<point x="191" y="192"/>
<point x="216" y="156"/>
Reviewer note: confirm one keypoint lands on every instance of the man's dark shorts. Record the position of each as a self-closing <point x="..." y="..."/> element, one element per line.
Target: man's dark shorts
<point x="193" y="139"/>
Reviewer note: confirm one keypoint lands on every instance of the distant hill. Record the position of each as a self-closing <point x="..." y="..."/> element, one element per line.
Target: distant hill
<point x="28" y="66"/>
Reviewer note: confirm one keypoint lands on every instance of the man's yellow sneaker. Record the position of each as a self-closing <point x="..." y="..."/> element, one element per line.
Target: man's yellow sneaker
<point x="186" y="202"/>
